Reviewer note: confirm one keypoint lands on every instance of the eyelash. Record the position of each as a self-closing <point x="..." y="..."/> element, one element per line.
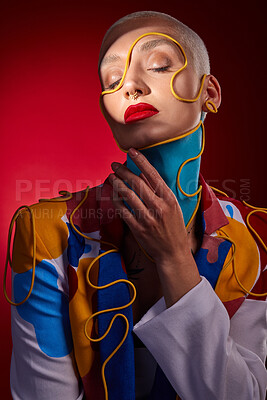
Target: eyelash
<point x="113" y="85"/>
<point x="160" y="69"/>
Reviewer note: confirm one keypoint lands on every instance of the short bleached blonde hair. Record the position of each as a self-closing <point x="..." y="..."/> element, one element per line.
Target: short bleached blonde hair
<point x="191" y="42"/>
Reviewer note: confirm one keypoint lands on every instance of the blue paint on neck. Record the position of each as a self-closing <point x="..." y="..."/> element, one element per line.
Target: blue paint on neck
<point x="167" y="158"/>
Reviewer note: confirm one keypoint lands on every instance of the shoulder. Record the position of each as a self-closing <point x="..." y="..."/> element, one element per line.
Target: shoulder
<point x="50" y="224"/>
<point x="246" y="229"/>
<point x="252" y="217"/>
<point x="55" y="212"/>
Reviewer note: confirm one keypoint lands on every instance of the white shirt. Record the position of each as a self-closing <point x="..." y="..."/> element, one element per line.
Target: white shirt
<point x="203" y="353"/>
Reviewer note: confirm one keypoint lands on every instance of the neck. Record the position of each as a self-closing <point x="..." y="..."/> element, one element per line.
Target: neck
<point x="167" y="157"/>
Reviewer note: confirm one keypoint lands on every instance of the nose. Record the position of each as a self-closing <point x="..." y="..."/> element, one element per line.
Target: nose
<point x="134" y="84"/>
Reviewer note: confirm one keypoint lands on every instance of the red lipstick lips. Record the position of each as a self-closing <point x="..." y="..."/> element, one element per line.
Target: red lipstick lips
<point x="138" y="112"/>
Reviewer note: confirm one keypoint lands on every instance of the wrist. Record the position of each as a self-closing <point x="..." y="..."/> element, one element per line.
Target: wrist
<point x="178" y="276"/>
<point x="173" y="260"/>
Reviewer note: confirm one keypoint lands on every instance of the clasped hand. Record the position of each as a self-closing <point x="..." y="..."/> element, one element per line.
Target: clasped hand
<point x="156" y="222"/>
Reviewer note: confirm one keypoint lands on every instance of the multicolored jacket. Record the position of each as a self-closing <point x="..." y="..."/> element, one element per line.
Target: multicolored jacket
<point x="52" y="356"/>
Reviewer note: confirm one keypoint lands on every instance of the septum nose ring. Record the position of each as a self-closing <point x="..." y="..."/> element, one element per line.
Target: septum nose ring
<point x="133" y="96"/>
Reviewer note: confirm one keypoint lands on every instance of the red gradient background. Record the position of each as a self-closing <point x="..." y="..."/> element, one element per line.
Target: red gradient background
<point x="53" y="135"/>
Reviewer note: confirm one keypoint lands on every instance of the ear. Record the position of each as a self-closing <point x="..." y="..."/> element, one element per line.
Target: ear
<point x="211" y="92"/>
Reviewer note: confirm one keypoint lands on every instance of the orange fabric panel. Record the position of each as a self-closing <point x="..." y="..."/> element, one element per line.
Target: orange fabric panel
<point x="55" y="238"/>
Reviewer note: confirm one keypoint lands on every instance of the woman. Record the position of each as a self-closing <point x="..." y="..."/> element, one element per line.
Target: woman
<point x="170" y="273"/>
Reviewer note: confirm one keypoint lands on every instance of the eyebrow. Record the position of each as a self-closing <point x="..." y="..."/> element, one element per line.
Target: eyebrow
<point x="110" y="59"/>
<point x="151" y="44"/>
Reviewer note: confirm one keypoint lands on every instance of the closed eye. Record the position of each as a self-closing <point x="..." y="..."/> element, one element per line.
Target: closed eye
<point x="113" y="85"/>
<point x="159" y="69"/>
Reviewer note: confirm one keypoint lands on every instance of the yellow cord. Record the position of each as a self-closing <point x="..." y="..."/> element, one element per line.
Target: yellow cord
<point x="80" y="233"/>
<point x="171" y="86"/>
<point x="114" y="351"/>
<point x="145" y="253"/>
<point x="255" y="209"/>
<point x="8" y="257"/>
<point x="113" y="250"/>
<point x="226" y="237"/>
<point x="177" y="97"/>
<point x="129" y="56"/>
<point x="195" y="210"/>
<point x="165" y="141"/>
<point x="181" y="98"/>
<point x="172" y="139"/>
<point x="211" y="106"/>
<point x="191" y="159"/>
<point x="179" y="172"/>
<point x="108" y="310"/>
<point x="253" y="230"/>
<point x="219" y="191"/>
<point x="65" y="193"/>
<point x="172" y="78"/>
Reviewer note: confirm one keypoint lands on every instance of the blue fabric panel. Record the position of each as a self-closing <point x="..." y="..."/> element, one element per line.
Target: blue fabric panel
<point x="47" y="309"/>
<point x="76" y="246"/>
<point x="119" y="371"/>
<point x="211" y="271"/>
<point x="230" y="210"/>
<point x="167" y="158"/>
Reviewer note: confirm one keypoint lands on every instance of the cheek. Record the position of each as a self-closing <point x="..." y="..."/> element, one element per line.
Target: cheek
<point x="112" y="107"/>
<point x="185" y="85"/>
<point x="181" y="116"/>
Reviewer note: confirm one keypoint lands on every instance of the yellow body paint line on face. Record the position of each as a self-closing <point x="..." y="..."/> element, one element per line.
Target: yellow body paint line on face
<point x="174" y="75"/>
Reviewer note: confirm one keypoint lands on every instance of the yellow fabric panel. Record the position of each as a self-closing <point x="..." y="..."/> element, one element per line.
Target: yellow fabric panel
<point x="80" y="308"/>
<point x="246" y="261"/>
<point x="51" y="233"/>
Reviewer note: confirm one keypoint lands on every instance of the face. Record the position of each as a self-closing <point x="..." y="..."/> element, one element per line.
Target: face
<point x="157" y="115"/>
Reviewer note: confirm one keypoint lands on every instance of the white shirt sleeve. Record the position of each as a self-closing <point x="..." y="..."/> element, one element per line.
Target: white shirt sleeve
<point x="42" y="364"/>
<point x="204" y="354"/>
<point x="33" y="374"/>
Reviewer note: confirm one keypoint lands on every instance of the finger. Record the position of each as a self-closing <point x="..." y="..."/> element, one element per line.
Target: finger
<point x="125" y="214"/>
<point x="127" y="194"/>
<point x="142" y="176"/>
<point x="140" y="184"/>
<point x="158" y="184"/>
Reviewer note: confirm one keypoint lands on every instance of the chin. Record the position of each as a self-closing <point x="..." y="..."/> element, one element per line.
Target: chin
<point x="137" y="143"/>
<point x="142" y="134"/>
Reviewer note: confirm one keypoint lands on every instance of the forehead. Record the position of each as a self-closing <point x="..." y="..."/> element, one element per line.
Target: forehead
<point x="119" y="51"/>
<point x="121" y="37"/>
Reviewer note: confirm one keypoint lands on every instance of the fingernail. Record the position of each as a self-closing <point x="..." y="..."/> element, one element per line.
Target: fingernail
<point x="111" y="177"/>
<point x="115" y="166"/>
<point x="132" y="152"/>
